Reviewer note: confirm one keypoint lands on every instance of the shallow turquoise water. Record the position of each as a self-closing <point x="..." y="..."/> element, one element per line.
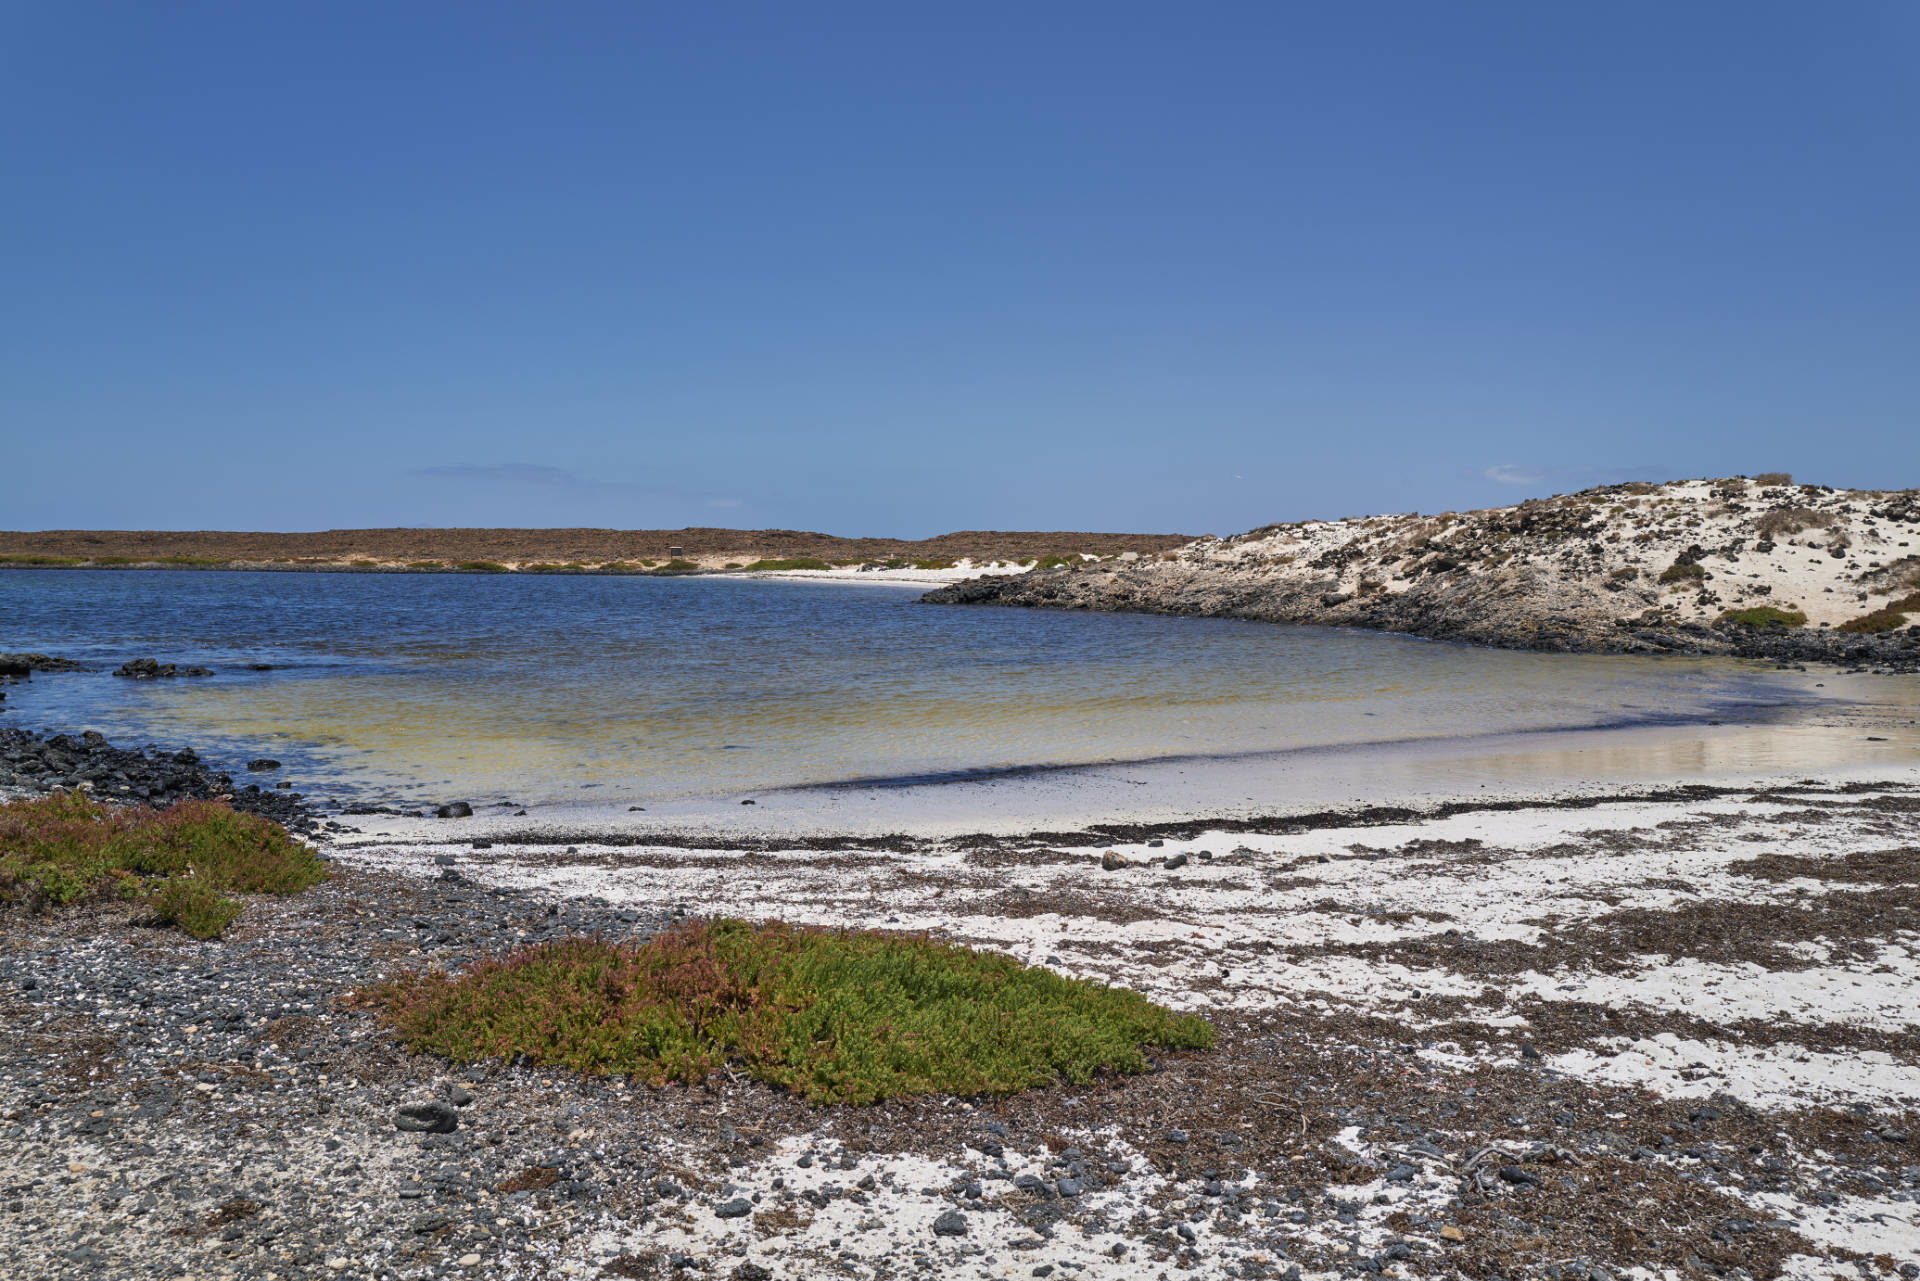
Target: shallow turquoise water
<point x="603" y="688"/>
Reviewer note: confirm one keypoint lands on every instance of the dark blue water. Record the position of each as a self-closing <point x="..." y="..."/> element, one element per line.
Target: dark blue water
<point x="630" y="687"/>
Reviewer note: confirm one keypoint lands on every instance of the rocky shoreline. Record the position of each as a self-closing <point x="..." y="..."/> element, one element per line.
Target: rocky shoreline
<point x="141" y="776"/>
<point x="1778" y="572"/>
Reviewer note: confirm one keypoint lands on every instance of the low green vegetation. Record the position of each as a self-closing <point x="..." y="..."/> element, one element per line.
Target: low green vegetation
<point x="1683" y="571"/>
<point x="678" y="567"/>
<point x="426" y="564"/>
<point x="183" y="860"/>
<point x="482" y="567"/>
<point x="936" y="562"/>
<point x="1765" y="616"/>
<point x="195" y="562"/>
<point x="27" y="558"/>
<point x="1055" y="562"/>
<point x="1885" y="619"/>
<point x="834" y="1016"/>
<point x="548" y="567"/>
<point x="197" y="909"/>
<point x="795" y="562"/>
<point x="1773" y="478"/>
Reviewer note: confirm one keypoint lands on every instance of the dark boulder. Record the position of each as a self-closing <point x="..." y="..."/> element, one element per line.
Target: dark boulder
<point x="951" y="1224"/>
<point x="432" y="1117"/>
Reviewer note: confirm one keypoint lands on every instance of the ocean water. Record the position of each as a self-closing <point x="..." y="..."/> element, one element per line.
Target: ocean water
<point x="626" y="689"/>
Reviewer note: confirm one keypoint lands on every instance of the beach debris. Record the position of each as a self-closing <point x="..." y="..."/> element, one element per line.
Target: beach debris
<point x="1176" y="860"/>
<point x="1114" y="860"/>
<point x="454" y="809"/>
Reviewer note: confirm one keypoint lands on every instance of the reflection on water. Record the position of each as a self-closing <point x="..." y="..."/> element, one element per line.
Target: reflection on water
<point x="543" y="688"/>
<point x="1639" y="757"/>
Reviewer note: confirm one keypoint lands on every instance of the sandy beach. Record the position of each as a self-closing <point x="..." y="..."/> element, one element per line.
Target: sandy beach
<point x="1629" y="957"/>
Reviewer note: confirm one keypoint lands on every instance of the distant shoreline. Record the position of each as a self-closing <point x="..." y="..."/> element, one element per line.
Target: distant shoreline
<point x="662" y="552"/>
<point x="871" y="573"/>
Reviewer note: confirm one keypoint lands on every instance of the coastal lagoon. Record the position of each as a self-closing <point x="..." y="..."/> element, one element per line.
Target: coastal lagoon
<point x="636" y="689"/>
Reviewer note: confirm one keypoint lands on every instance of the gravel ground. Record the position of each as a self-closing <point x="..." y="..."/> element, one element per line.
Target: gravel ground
<point x="174" y="1108"/>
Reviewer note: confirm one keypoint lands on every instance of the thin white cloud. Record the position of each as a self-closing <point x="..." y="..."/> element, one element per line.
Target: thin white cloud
<point x="505" y="473"/>
<point x="1567" y="476"/>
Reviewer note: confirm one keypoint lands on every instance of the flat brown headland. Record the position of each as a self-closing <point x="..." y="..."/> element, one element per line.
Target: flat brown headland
<point x="572" y="548"/>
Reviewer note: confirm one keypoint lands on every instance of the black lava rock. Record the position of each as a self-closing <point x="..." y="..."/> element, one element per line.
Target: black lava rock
<point x="129" y="776"/>
<point x="433" y="1117"/>
<point x="149" y="669"/>
<point x="22" y="664"/>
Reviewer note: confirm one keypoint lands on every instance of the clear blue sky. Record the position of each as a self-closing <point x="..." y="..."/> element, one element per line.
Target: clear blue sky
<point x="904" y="268"/>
